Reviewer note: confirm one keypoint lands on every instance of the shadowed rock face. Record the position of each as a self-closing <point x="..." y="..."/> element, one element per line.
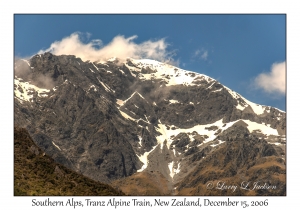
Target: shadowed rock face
<point x="110" y="120"/>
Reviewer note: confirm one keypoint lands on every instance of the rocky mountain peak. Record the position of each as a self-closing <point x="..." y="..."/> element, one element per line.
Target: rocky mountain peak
<point x="111" y="120"/>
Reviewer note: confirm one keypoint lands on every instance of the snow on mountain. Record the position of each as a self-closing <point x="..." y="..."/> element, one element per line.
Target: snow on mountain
<point x="24" y="90"/>
<point x="243" y="103"/>
<point x="167" y="134"/>
<point x="170" y="74"/>
<point x="144" y="159"/>
<point x="176" y="76"/>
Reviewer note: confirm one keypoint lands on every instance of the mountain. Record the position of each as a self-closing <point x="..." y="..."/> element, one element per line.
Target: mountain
<point x="35" y="173"/>
<point x="129" y="122"/>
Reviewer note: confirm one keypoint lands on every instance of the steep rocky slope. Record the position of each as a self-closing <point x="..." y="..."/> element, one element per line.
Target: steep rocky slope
<point x="35" y="173"/>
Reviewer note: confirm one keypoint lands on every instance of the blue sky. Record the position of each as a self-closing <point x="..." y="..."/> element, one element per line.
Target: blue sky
<point x="247" y="53"/>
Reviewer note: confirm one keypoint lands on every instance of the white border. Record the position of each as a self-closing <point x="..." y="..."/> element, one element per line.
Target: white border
<point x="8" y="8"/>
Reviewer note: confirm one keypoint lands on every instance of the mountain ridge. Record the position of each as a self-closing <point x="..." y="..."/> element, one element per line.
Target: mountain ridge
<point x="111" y="120"/>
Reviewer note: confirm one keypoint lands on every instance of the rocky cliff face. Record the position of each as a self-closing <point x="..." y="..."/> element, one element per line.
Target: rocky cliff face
<point x="115" y="119"/>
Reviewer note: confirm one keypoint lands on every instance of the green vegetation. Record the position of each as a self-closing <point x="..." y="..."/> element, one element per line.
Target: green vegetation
<point x="35" y="173"/>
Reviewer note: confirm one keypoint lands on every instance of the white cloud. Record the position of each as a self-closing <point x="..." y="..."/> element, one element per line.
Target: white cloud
<point x="204" y="55"/>
<point x="273" y="81"/>
<point x="197" y="53"/>
<point x="201" y="53"/>
<point x="119" y="47"/>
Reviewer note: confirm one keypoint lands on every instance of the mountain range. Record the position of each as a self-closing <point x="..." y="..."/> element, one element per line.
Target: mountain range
<point x="149" y="128"/>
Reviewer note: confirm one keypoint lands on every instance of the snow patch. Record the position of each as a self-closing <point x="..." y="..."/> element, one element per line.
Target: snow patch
<point x="170" y="74"/>
<point x="174" y="152"/>
<point x="217" y="90"/>
<point x="240" y="107"/>
<point x="170" y="165"/>
<point x="265" y="129"/>
<point x="24" y="91"/>
<point x="56" y="146"/>
<point x="93" y="86"/>
<point x="176" y="171"/>
<point x="140" y="95"/>
<point x="220" y="142"/>
<point x="126" y="116"/>
<point x="173" y="170"/>
<point x="257" y="109"/>
<point x="166" y="135"/>
<point x="174" y="101"/>
<point x="106" y="87"/>
<point x="147" y="119"/>
<point x="200" y="129"/>
<point x="122" y="72"/>
<point x="144" y="159"/>
<point x="120" y="102"/>
<point x="211" y="85"/>
<point x="276" y="143"/>
<point x="140" y="142"/>
<point x="95" y="67"/>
